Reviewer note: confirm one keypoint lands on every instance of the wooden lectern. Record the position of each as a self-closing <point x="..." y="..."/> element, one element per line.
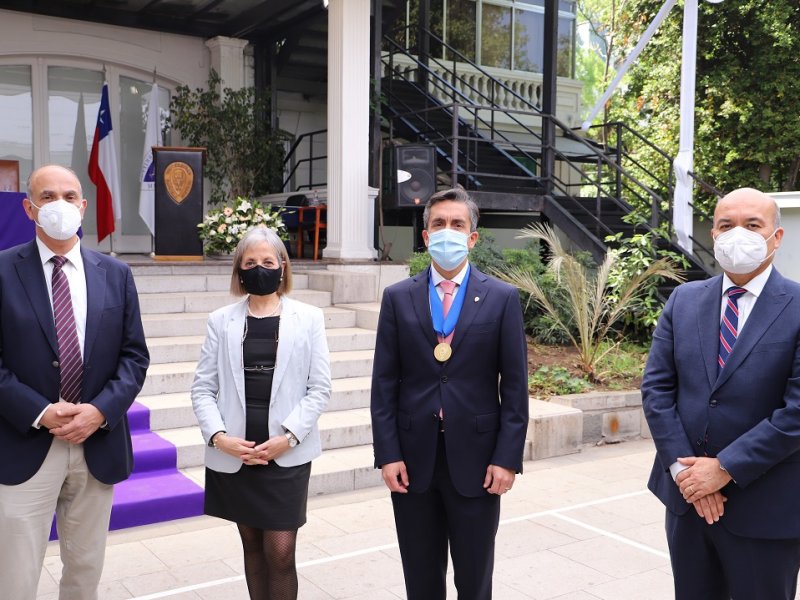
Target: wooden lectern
<point x="179" y="202"/>
<point x="9" y="175"/>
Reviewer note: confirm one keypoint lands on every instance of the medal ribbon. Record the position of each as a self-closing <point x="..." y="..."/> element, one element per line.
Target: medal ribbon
<point x="441" y="325"/>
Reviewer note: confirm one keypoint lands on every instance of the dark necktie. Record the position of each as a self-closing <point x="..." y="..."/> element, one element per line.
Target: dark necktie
<point x="69" y="349"/>
<point x="729" y="326"/>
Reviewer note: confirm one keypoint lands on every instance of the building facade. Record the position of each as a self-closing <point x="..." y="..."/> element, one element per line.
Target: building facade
<point x="314" y="56"/>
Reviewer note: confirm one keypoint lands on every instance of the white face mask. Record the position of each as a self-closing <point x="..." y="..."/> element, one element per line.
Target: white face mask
<point x="59" y="219"/>
<point x="741" y="251"/>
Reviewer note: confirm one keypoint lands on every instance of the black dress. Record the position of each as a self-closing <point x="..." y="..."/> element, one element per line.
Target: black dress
<point x="262" y="496"/>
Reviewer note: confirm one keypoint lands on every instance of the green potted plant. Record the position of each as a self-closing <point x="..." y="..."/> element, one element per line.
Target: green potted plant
<point x="244" y="154"/>
<point x="223" y="227"/>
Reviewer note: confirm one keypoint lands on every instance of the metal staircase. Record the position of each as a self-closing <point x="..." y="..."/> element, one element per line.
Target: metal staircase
<point x="592" y="190"/>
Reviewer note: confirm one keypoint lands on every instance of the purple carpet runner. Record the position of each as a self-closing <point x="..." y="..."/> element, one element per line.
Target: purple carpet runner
<point x="156" y="491"/>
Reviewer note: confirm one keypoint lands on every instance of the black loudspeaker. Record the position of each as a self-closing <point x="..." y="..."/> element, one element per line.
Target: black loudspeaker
<point x="416" y="175"/>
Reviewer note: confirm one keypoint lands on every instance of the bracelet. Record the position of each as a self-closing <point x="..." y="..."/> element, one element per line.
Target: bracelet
<point x="214" y="439"/>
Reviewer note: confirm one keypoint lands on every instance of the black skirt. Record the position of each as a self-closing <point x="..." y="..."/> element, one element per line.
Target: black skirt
<point x="268" y="496"/>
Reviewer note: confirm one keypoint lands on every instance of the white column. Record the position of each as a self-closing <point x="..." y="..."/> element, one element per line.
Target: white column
<point x="682" y="211"/>
<point x="350" y="207"/>
<point x="227" y="58"/>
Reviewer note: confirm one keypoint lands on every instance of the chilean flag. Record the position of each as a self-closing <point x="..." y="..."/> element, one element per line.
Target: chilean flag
<point x="104" y="170"/>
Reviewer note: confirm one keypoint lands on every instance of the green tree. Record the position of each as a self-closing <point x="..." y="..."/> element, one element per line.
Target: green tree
<point x="598" y="49"/>
<point x="747" y="100"/>
<point x="245" y="157"/>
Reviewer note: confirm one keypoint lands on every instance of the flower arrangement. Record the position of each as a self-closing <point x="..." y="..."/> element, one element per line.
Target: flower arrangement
<point x="222" y="228"/>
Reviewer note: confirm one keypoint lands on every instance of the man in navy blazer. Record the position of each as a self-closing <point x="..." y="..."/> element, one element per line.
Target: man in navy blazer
<point x="449" y="408"/>
<point x="725" y="415"/>
<point x="61" y="456"/>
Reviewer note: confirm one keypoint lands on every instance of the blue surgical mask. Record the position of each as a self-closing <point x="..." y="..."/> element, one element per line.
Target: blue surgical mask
<point x="448" y="248"/>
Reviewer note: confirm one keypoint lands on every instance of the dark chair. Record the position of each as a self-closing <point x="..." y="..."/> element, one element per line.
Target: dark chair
<point x="291" y="219"/>
<point x="315" y="221"/>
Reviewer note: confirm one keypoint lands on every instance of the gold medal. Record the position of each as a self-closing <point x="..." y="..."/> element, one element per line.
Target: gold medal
<point x="442" y="352"/>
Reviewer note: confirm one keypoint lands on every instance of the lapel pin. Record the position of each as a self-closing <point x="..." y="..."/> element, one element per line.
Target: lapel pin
<point x="477" y="298"/>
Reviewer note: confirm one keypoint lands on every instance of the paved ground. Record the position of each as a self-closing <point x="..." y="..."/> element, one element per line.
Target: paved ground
<point x="578" y="527"/>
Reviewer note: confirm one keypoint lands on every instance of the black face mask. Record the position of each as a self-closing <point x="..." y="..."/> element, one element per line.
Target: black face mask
<point x="260" y="281"/>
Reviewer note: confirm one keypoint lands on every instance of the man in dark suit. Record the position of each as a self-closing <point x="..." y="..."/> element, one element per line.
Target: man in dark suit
<point x="721" y="393"/>
<point x="72" y="360"/>
<point x="449" y="406"/>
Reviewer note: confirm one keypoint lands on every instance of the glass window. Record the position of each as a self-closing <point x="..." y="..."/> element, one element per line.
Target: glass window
<point x="566" y="48"/>
<point x="461" y="17"/>
<point x="71" y="129"/>
<point x="16" y="106"/>
<point x="135" y="101"/>
<point x="528" y="41"/>
<point x="496" y="36"/>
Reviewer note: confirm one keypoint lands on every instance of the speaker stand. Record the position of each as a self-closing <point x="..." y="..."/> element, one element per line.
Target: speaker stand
<point x="419" y="226"/>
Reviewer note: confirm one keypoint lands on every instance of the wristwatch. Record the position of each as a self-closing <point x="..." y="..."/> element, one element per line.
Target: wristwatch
<point x="292" y="439"/>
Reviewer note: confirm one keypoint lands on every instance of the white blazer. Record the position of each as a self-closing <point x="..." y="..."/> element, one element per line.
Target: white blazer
<point x="301" y="382"/>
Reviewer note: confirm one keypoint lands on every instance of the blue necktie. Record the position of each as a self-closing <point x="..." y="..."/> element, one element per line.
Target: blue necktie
<point x="729" y="326"/>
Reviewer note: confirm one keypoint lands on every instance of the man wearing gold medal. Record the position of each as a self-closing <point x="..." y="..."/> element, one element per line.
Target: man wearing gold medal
<point x="449" y="406"/>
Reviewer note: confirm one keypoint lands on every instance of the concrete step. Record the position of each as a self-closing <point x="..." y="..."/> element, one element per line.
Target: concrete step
<point x="154" y="270"/>
<point x="168" y="378"/>
<point x="187" y="347"/>
<point x="338" y="317"/>
<point x="174" y="325"/>
<point x="366" y="313"/>
<point x="178" y="323"/>
<point x="205" y="301"/>
<point x="353" y="363"/>
<point x="195" y="282"/>
<point x="175" y="377"/>
<point x="182" y="348"/>
<point x="553" y="431"/>
<point x="171" y="411"/>
<point x="340" y="470"/>
<point x="342" y="429"/>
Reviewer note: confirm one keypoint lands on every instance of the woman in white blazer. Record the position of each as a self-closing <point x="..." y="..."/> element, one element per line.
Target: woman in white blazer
<point x="262" y="381"/>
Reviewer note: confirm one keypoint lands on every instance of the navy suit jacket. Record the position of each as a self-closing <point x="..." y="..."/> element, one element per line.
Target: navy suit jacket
<point x="483" y="388"/>
<point x="115" y="362"/>
<point x="748" y="416"/>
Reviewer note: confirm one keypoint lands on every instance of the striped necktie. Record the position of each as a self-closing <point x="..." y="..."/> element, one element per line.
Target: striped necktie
<point x="69" y="349"/>
<point x="729" y="326"/>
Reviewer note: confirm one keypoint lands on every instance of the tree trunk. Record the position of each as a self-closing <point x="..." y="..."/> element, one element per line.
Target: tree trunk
<point x="764" y="171"/>
<point x="791" y="176"/>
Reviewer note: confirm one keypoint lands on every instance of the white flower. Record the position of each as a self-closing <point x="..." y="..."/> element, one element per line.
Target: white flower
<point x="244" y="206"/>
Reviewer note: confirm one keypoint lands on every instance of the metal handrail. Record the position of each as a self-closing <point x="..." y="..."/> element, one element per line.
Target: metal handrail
<point x="608" y="160"/>
<point x="290" y="156"/>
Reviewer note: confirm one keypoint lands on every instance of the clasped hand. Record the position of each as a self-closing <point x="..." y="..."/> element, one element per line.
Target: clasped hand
<point x="700" y="484"/>
<point x="72" y="423"/>
<point x="249" y="452"/>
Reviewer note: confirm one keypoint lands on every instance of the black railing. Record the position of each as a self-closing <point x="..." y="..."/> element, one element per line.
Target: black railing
<point x="309" y="160"/>
<point x="598" y="183"/>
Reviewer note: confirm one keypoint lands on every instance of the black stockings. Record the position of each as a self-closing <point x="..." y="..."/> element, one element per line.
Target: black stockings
<point x="269" y="565"/>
